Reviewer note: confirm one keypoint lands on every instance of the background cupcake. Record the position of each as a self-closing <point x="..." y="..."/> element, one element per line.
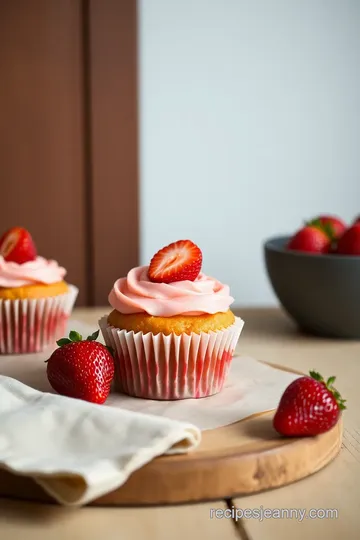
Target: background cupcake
<point x="171" y="327"/>
<point x="35" y="301"/>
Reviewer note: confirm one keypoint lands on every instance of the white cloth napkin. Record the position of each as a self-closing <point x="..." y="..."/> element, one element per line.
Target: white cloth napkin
<point x="78" y="451"/>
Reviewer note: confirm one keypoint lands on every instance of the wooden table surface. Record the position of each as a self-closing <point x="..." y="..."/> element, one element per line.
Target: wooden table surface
<point x="331" y="497"/>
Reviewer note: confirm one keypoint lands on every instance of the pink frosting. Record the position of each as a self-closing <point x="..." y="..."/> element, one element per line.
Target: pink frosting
<point x="38" y="271"/>
<point x="137" y="294"/>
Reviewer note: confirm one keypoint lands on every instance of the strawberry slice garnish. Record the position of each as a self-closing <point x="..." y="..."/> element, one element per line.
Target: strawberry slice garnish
<point x="309" y="406"/>
<point x="178" y="261"/>
<point x="17" y="245"/>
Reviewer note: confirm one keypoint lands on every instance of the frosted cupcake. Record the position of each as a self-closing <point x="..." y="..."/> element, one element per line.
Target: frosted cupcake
<point x="171" y="327"/>
<point x="35" y="301"/>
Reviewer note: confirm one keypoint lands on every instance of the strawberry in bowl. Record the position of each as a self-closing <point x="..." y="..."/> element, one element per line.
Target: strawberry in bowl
<point x="319" y="235"/>
<point x="314" y="274"/>
<point x="310" y="239"/>
<point x="349" y="243"/>
<point x="333" y="224"/>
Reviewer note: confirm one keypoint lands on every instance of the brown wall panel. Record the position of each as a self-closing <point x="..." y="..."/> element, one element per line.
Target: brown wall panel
<point x="114" y="163"/>
<point x="42" y="185"/>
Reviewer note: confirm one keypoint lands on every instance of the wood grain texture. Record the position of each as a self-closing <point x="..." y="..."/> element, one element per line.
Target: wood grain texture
<point x="270" y="335"/>
<point x="114" y="142"/>
<point x="333" y="493"/>
<point x="245" y="457"/>
<point x="41" y="128"/>
<point x="20" y="521"/>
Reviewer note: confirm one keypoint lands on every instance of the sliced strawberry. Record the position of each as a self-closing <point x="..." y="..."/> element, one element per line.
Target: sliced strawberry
<point x="310" y="239"/>
<point x="178" y="261"/>
<point x="17" y="245"/>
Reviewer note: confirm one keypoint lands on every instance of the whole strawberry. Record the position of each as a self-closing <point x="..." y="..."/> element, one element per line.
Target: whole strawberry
<point x="349" y="243"/>
<point x="309" y="406"/>
<point x="81" y="369"/>
<point x="333" y="225"/>
<point x="310" y="239"/>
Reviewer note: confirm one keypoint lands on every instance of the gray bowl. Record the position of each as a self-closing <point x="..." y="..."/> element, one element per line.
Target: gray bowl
<point x="321" y="293"/>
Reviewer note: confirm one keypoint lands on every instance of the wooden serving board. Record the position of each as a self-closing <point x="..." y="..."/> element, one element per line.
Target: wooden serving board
<point x="245" y="457"/>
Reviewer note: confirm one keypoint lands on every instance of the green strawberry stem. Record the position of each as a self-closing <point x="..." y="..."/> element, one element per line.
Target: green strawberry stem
<point x="330" y="386"/>
<point x="74" y="337"/>
<point x="326" y="228"/>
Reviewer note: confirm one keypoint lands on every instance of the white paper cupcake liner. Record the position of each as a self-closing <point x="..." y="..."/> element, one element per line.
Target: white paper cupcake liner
<point x="169" y="367"/>
<point x="31" y="325"/>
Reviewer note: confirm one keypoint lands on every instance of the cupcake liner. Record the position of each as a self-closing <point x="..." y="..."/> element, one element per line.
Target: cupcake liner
<point x="31" y="325"/>
<point x="170" y="367"/>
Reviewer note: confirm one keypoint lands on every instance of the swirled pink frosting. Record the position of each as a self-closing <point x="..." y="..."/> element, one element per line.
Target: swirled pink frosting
<point x="38" y="271"/>
<point x="137" y="294"/>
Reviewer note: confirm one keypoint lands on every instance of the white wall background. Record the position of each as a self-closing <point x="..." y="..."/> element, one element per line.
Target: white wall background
<point x="250" y="123"/>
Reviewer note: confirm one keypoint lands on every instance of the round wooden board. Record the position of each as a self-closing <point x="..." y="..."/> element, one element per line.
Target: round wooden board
<point x="243" y="458"/>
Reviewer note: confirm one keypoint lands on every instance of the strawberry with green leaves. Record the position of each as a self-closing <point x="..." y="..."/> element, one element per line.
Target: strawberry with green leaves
<point x="82" y="369"/>
<point x="309" y="406"/>
<point x="334" y="226"/>
<point x="310" y="239"/>
<point x="318" y="235"/>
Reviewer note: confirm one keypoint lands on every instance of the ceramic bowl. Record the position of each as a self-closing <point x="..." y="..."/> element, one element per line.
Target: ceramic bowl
<point x="321" y="293"/>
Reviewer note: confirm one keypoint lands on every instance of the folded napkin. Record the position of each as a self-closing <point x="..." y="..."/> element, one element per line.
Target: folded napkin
<point x="78" y="451"/>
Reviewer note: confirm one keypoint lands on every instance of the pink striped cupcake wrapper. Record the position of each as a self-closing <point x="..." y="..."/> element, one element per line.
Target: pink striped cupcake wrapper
<point x="31" y="325"/>
<point x="169" y="367"/>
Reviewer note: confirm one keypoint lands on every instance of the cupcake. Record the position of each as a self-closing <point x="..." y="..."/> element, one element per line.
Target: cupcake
<point x="171" y="328"/>
<point x="35" y="301"/>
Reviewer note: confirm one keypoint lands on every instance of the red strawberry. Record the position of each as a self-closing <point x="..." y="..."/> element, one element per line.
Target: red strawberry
<point x="332" y="225"/>
<point x="178" y="261"/>
<point x="16" y="245"/>
<point x="81" y="369"/>
<point x="309" y="406"/>
<point x="349" y="243"/>
<point x="310" y="239"/>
